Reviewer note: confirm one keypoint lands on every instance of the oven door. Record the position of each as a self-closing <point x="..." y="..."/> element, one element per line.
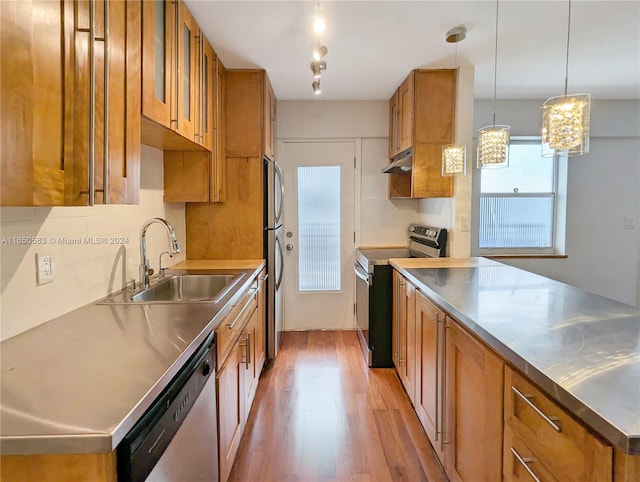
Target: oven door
<point x="363" y="281"/>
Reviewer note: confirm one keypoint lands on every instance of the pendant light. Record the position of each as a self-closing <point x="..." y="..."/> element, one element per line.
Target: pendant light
<point x="565" y="119"/>
<point x="454" y="156"/>
<point x="493" y="140"/>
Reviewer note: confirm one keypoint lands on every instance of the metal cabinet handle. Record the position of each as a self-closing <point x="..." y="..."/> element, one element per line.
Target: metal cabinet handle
<point x="443" y="374"/>
<point x="246" y="343"/>
<point x="438" y="395"/>
<point x="92" y="104"/>
<point x="105" y="142"/>
<point x="526" y="399"/>
<point x="524" y="461"/>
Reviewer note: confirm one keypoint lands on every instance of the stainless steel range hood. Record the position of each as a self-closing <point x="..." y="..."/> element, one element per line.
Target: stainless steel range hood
<point x="401" y="164"/>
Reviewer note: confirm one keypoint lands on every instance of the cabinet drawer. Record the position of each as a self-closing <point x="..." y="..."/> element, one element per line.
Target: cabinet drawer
<point x="520" y="464"/>
<point x="560" y="443"/>
<point x="231" y="327"/>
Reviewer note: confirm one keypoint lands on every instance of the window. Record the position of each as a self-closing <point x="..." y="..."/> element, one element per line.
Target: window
<point x="319" y="226"/>
<point x="519" y="203"/>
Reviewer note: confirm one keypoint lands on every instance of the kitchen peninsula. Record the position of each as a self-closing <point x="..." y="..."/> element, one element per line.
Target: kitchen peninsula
<point x="557" y="371"/>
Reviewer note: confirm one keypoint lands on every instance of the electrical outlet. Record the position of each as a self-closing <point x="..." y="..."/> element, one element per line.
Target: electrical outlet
<point x="45" y="269"/>
<point x="629" y="223"/>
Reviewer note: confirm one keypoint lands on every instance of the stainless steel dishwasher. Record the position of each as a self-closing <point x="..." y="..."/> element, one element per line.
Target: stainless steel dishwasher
<point x="177" y="437"/>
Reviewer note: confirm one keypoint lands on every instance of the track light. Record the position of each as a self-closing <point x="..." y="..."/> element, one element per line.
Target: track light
<point x="320" y="52"/>
<point x="317" y="68"/>
<point x="316" y="87"/>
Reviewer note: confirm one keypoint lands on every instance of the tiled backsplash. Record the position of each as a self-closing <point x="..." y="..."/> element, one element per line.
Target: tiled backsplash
<point x="95" y="249"/>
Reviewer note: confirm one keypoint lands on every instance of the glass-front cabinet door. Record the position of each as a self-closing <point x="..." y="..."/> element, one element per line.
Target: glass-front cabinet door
<point x="188" y="63"/>
<point x="157" y="61"/>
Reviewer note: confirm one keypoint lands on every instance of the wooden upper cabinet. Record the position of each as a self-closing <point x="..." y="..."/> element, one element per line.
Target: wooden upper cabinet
<point x="269" y="111"/>
<point x="199" y="176"/>
<point x="188" y="88"/>
<point x="177" y="84"/>
<point x="393" y="125"/>
<point x="422" y="116"/>
<point x="247" y="102"/>
<point x="405" y="115"/>
<point x="67" y="85"/>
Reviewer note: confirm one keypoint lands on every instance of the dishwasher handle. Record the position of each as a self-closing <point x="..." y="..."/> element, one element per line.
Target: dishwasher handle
<point x="362" y="274"/>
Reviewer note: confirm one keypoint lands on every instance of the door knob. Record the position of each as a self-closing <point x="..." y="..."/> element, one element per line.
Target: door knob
<point x="289" y="247"/>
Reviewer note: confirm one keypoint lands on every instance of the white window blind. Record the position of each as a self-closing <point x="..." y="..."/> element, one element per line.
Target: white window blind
<point x="319" y="228"/>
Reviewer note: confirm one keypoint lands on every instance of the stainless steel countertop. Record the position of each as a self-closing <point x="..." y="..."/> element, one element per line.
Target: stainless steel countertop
<point x="78" y="383"/>
<point x="582" y="349"/>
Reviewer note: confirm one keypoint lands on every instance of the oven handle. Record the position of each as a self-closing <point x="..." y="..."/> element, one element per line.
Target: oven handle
<point x="362" y="274"/>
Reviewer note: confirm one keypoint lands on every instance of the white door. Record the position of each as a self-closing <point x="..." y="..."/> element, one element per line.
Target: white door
<point x="319" y="235"/>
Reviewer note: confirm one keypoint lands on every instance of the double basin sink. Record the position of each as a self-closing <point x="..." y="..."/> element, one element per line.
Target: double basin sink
<point x="182" y="288"/>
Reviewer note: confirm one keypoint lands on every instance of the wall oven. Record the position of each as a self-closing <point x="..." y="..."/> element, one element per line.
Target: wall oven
<point x="374" y="289"/>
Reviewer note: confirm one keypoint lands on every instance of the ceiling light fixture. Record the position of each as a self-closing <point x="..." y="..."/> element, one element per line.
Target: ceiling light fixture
<point x="316" y="87"/>
<point x="565" y="119"/>
<point x="320" y="52"/>
<point x="454" y="156"/>
<point x="319" y="25"/>
<point x="493" y="140"/>
<point x="317" y="68"/>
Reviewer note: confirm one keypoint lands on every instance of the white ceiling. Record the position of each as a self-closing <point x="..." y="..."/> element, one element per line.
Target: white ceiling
<point x="373" y="45"/>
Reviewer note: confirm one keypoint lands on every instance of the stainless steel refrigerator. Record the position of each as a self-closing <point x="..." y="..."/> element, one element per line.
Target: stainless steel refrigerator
<point x="274" y="254"/>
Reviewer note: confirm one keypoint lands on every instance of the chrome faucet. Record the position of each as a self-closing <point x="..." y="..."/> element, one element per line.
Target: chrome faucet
<point x="144" y="262"/>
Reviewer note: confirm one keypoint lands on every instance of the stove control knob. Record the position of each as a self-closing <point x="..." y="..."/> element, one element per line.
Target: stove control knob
<point x="412" y="229"/>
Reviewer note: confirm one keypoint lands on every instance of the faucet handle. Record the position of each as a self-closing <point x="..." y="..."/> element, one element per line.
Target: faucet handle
<point x="160" y="268"/>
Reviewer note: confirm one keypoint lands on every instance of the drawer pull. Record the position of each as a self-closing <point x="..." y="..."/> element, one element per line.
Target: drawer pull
<point x="524" y="461"/>
<point x="526" y="399"/>
<point x="231" y="324"/>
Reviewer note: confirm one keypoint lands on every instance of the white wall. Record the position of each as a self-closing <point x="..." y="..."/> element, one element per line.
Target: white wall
<point x="603" y="187"/>
<point x="382" y="222"/>
<point x="84" y="272"/>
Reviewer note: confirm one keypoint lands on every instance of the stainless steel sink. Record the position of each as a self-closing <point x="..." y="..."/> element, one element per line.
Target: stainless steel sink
<point x="181" y="288"/>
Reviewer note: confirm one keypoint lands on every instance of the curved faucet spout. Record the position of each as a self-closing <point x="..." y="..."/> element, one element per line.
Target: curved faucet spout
<point x="174" y="247"/>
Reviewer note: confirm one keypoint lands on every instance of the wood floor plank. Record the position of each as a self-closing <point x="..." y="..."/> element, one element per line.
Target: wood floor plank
<point x="320" y="414"/>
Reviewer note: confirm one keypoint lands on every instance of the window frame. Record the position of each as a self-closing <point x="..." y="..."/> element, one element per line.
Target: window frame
<point x="553" y="249"/>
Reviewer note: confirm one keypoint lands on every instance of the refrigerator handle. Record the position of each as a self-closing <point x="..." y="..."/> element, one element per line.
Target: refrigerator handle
<point x="280" y="177"/>
<point x="281" y="272"/>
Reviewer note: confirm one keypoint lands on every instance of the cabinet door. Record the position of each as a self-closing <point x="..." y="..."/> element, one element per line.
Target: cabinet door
<point x="435" y="102"/>
<point x="393" y="125"/>
<point x="429" y="370"/>
<point x="122" y="98"/>
<point x="250" y="377"/>
<point x="405" y="334"/>
<point x="217" y="173"/>
<point x="187" y="74"/>
<point x="207" y="98"/>
<point x="261" y="326"/>
<point x="406" y="113"/>
<point x="269" y="120"/>
<point x="157" y="65"/>
<point x="473" y="399"/>
<point x="231" y="416"/>
<point x="36" y="76"/>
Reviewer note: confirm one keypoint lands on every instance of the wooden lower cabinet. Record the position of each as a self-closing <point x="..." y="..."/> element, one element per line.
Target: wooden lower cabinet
<point x="239" y="372"/>
<point x="403" y="322"/>
<point x="558" y="444"/>
<point x="429" y="370"/>
<point x="231" y="415"/>
<point x="473" y="416"/>
<point x="59" y="468"/>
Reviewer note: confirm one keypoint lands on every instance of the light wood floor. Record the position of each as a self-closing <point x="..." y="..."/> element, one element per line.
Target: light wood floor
<point x="321" y="415"/>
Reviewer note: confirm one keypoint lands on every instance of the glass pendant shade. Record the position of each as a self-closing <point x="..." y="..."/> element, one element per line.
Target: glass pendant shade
<point x="565" y="125"/>
<point x="454" y="160"/>
<point x="493" y="146"/>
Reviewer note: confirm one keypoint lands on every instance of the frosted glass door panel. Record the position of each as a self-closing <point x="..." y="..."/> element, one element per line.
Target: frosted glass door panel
<point x="319" y="228"/>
